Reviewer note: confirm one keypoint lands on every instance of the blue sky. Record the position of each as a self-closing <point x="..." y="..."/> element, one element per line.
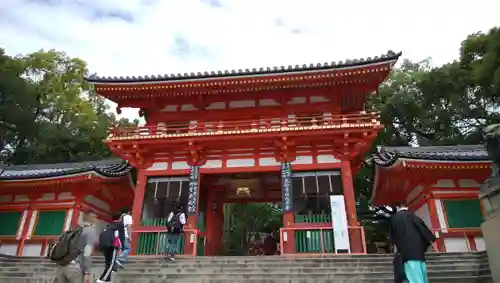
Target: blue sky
<point x="150" y="37"/>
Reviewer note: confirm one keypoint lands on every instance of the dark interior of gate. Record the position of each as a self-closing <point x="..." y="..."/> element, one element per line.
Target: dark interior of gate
<point x="240" y="213"/>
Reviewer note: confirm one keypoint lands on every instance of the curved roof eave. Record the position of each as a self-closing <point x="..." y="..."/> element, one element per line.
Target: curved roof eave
<point x="227" y="74"/>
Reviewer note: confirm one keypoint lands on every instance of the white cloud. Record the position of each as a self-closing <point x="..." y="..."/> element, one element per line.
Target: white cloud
<point x="167" y="36"/>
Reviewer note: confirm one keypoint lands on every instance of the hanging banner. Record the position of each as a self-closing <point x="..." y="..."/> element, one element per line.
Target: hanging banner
<point x="193" y="189"/>
<point x="339" y="223"/>
<point x="286" y="186"/>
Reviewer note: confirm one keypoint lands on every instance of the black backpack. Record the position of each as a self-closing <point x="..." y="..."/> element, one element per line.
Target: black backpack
<point x="175" y="225"/>
<point x="107" y="237"/>
<point x="67" y="247"/>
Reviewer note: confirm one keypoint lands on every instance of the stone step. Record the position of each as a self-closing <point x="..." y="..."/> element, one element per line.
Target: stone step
<point x="277" y="261"/>
<point x="193" y="267"/>
<point x="452" y="268"/>
<point x="257" y="274"/>
<point x="440" y="279"/>
<point x="262" y="261"/>
<point x="242" y="268"/>
<point x="272" y="258"/>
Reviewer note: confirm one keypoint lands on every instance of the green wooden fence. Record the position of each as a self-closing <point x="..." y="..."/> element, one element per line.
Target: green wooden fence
<point x="152" y="243"/>
<point x="149" y="241"/>
<point x="309" y="241"/>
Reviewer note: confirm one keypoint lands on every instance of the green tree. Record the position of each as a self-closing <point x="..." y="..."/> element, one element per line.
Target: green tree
<point x="240" y="220"/>
<point x="69" y="120"/>
<point x="18" y="106"/>
<point x="444" y="105"/>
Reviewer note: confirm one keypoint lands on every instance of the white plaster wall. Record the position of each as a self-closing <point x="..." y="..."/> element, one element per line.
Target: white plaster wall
<point x="423" y="212"/>
<point x="315" y="98"/>
<point x="69" y="216"/>
<point x="20" y="230"/>
<point x="66" y="195"/>
<point x="48" y="196"/>
<point x="268" y="161"/>
<point x="441" y="216"/>
<point x="32" y="249"/>
<point x="31" y="227"/>
<point x="243" y="162"/>
<point x="188" y="107"/>
<point x="414" y="193"/>
<point x="21" y="198"/>
<point x="480" y="245"/>
<point x="268" y="102"/>
<point x="298" y="100"/>
<point x="303" y="160"/>
<point x="159" y="166"/>
<point x="216" y="105"/>
<point x="242" y="104"/>
<point x="8" y="249"/>
<point x="212" y="164"/>
<point x="444" y="183"/>
<point x="456" y="245"/>
<point x="97" y="202"/>
<point x="180" y="165"/>
<point x="327" y="158"/>
<point x="468" y="183"/>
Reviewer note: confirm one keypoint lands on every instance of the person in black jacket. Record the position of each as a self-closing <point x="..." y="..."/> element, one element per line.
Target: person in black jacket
<point x="412" y="238"/>
<point x="115" y="235"/>
<point x="399" y="269"/>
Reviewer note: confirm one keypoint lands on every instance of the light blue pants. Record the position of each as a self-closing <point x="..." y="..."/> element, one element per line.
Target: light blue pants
<point x="172" y="243"/>
<point x="126" y="250"/>
<point x="416" y="271"/>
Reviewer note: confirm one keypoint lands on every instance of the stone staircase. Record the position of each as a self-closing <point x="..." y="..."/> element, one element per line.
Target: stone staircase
<point x="442" y="267"/>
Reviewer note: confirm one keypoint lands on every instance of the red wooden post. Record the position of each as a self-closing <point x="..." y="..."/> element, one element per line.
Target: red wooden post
<point x="140" y="189"/>
<point x="350" y="204"/>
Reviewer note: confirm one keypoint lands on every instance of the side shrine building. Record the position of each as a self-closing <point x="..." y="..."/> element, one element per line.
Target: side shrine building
<point x="39" y="202"/>
<point x="292" y="135"/>
<point x="441" y="185"/>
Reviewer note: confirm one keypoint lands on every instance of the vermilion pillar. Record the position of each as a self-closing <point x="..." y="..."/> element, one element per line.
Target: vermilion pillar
<point x="214" y="222"/>
<point x="140" y="190"/>
<point x="350" y="204"/>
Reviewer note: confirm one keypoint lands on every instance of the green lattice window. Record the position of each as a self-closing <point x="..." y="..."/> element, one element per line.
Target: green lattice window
<point x="50" y="223"/>
<point x="463" y="213"/>
<point x="10" y="223"/>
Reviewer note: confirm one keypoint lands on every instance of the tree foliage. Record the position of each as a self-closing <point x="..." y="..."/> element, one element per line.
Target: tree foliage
<point x="242" y="220"/>
<point x="425" y="105"/>
<point x="48" y="112"/>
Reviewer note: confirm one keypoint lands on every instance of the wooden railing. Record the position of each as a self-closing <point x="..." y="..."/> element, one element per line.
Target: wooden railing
<point x="248" y="126"/>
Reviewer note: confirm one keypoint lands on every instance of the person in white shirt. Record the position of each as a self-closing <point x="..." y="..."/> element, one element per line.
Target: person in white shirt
<point x="175" y="227"/>
<point x="126" y="218"/>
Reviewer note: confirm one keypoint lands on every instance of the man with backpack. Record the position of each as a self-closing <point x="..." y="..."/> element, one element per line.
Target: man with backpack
<point x="126" y="218"/>
<point x="110" y="243"/>
<point x="175" y="227"/>
<point x="72" y="251"/>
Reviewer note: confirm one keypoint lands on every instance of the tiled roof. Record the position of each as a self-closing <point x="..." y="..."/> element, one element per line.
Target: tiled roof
<point x="386" y="156"/>
<point x="107" y="168"/>
<point x="389" y="56"/>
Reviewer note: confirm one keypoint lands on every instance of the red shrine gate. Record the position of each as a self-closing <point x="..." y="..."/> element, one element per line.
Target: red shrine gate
<point x="290" y="134"/>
